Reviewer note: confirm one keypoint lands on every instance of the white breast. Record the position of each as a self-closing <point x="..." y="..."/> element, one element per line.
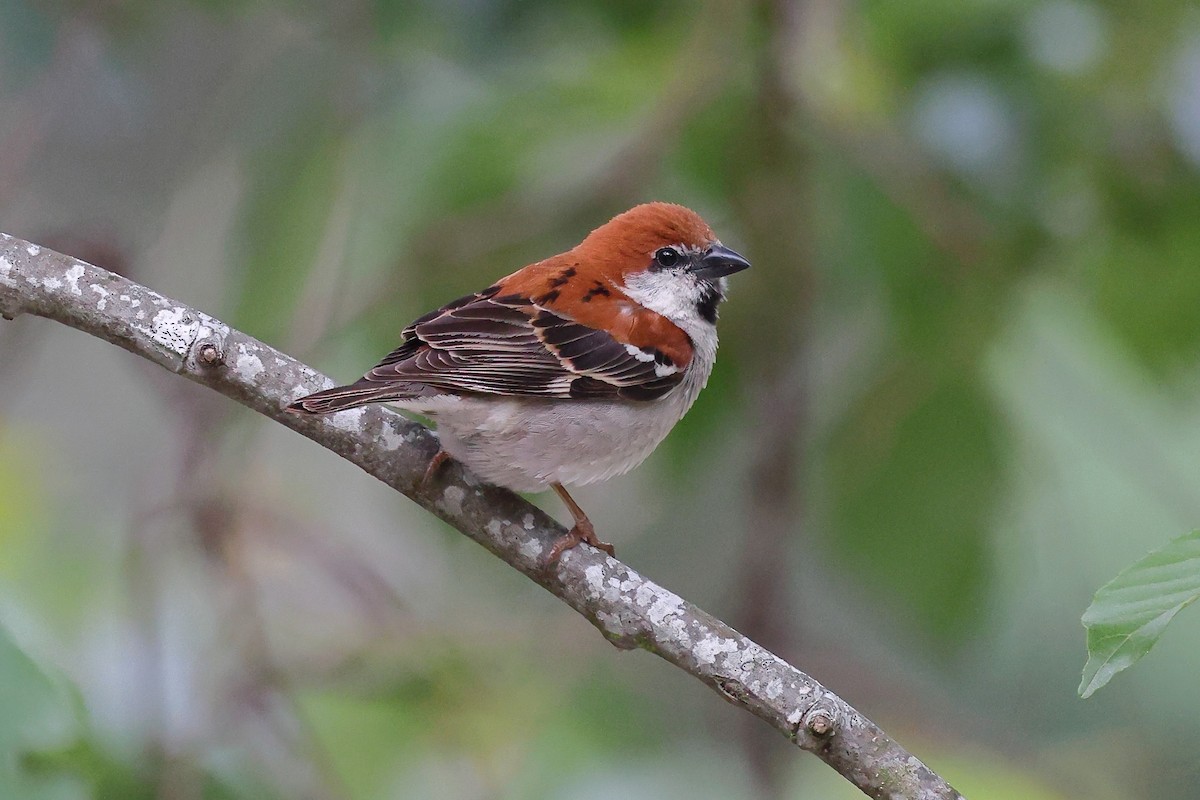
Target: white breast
<point x="524" y="444"/>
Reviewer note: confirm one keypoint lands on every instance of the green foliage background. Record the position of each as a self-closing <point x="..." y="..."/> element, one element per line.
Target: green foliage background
<point x="956" y="394"/>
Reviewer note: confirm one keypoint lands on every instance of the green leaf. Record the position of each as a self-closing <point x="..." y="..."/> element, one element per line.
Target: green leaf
<point x="1131" y="611"/>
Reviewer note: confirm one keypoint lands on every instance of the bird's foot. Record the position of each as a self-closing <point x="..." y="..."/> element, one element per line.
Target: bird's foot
<point x="582" y="532"/>
<point x="435" y="465"/>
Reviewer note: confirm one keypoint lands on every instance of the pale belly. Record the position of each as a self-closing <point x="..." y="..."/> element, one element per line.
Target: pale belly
<point x="524" y="445"/>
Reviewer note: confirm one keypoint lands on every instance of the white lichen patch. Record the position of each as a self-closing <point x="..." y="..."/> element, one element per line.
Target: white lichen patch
<point x="594" y="575"/>
<point x="349" y="420"/>
<point x="794" y="717"/>
<point x="711" y="647"/>
<point x="532" y="549"/>
<point x="102" y="303"/>
<point x="168" y="317"/>
<point x="248" y="366"/>
<point x="6" y="269"/>
<point x="664" y="609"/>
<point x="494" y="527"/>
<point x="173" y="329"/>
<point x="32" y="249"/>
<point x="392" y="440"/>
<point x="310" y="374"/>
<point x="452" y="500"/>
<point x="620" y="587"/>
<point x="73" y="275"/>
<point x="527" y="522"/>
<point x="774" y="689"/>
<point x="658" y="602"/>
<point x="758" y="661"/>
<point x="610" y="622"/>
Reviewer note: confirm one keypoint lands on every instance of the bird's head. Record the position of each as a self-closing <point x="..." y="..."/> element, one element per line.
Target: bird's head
<point x="666" y="258"/>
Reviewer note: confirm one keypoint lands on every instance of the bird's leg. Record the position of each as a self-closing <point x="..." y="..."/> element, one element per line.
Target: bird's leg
<point x="435" y="464"/>
<point x="581" y="532"/>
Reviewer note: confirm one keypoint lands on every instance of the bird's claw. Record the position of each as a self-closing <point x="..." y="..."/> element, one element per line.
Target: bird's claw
<point x="582" y="532"/>
<point x="435" y="465"/>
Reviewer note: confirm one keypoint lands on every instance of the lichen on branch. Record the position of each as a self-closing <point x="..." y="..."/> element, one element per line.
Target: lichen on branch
<point x="628" y="609"/>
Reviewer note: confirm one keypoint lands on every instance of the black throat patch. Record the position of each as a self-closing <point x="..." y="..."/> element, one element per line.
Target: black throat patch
<point x="706" y="306"/>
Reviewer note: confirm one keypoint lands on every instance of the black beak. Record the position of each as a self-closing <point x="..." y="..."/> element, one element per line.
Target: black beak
<point x="718" y="262"/>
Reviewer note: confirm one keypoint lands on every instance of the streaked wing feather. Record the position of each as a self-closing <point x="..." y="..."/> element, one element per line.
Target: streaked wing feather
<point x="483" y="344"/>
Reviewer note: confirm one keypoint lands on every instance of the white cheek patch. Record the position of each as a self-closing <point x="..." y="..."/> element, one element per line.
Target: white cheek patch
<point x="674" y="294"/>
<point x="677" y="295"/>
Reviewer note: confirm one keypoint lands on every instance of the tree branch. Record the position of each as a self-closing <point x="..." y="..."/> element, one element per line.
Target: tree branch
<point x="629" y="610"/>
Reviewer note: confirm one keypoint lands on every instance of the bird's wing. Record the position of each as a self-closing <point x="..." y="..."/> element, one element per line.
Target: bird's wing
<point x="494" y="344"/>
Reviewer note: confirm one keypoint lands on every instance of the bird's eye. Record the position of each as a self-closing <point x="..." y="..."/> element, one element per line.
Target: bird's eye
<point x="666" y="257"/>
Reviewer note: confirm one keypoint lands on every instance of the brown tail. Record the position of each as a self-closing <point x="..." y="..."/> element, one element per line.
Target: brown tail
<point x="342" y="397"/>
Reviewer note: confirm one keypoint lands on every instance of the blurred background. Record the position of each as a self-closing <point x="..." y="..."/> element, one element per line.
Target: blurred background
<point x="956" y="394"/>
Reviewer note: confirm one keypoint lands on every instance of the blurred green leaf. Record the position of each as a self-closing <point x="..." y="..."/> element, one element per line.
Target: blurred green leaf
<point x="1147" y="283"/>
<point x="34" y="712"/>
<point x="106" y="777"/>
<point x="915" y="475"/>
<point x="292" y="190"/>
<point x="908" y="45"/>
<point x="21" y="502"/>
<point x="482" y="706"/>
<point x="39" y="560"/>
<point x="1131" y="611"/>
<point x="109" y="776"/>
<point x="28" y="36"/>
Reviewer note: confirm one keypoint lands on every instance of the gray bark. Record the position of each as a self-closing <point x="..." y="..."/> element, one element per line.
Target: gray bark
<point x="629" y="610"/>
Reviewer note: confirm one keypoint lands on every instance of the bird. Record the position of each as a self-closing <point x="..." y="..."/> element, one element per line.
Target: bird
<point x="570" y="370"/>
